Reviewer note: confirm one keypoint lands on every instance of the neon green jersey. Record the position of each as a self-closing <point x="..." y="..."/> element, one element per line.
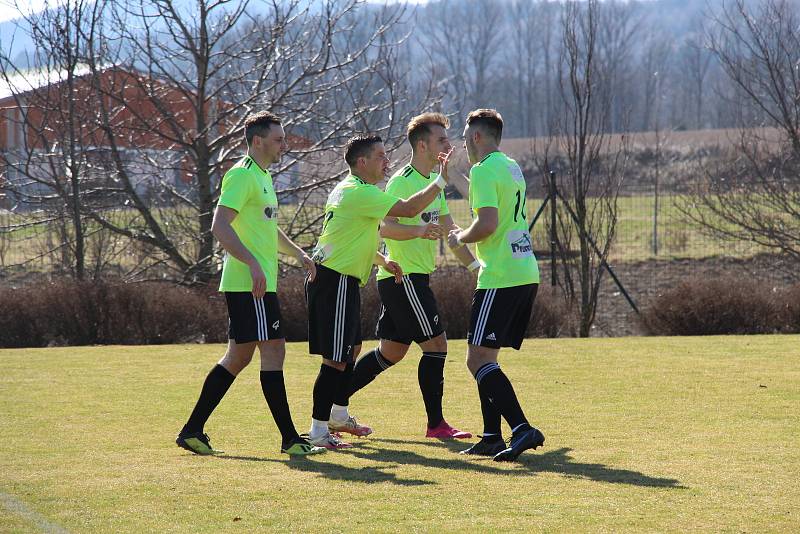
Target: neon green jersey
<point x="349" y="239"/>
<point x="506" y="256"/>
<point x="248" y="189"/>
<point x="413" y="255"/>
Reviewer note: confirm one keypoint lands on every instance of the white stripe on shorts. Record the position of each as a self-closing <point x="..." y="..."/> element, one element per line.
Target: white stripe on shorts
<point x="339" y="320"/>
<point x="483" y="315"/>
<point x="416" y="306"/>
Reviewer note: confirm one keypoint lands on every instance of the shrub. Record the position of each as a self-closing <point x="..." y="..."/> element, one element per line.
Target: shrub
<point x="709" y="306"/>
<point x="67" y="312"/>
<point x="789" y="304"/>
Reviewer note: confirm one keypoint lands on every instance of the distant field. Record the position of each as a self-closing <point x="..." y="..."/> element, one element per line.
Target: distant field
<point x="643" y="434"/>
<point x="634" y="241"/>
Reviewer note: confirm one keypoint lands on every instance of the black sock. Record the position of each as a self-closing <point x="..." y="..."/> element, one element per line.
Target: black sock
<point x="367" y="368"/>
<point x="491" y="418"/>
<point x="217" y="383"/>
<point x="274" y="389"/>
<point x="342" y="395"/>
<point x="493" y="383"/>
<point x="430" y="375"/>
<point x="324" y="390"/>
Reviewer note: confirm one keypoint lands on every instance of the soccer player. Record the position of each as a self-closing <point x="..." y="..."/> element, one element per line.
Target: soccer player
<point x="345" y="254"/>
<point x="246" y="225"/>
<point x="507" y="283"/>
<point x="408" y="310"/>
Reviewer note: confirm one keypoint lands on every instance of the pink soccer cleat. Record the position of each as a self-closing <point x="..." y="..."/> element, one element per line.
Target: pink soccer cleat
<point x="351" y="426"/>
<point x="445" y="431"/>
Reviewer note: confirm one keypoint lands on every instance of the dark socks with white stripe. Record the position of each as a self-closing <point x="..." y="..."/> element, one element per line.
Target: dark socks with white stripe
<point x="324" y="390"/>
<point x="274" y="389"/>
<point x="217" y="383"/>
<point x="430" y="375"/>
<point x="367" y="368"/>
<point x="494" y="384"/>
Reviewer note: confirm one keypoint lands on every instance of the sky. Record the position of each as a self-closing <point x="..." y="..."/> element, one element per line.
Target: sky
<point x="10" y="9"/>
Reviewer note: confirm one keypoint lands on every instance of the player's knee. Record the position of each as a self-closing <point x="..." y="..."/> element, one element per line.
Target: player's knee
<point x="394" y="357"/>
<point x="336" y="365"/>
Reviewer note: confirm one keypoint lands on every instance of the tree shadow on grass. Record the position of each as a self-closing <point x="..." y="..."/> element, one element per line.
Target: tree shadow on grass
<point x="557" y="461"/>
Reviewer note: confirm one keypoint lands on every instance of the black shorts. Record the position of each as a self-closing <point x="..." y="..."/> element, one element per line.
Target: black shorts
<point x="408" y="310"/>
<point x="334" y="314"/>
<point x="251" y="319"/>
<point x="500" y="316"/>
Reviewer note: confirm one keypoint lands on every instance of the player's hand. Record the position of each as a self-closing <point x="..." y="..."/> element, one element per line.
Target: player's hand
<point x="430" y="231"/>
<point x="394" y="268"/>
<point x="444" y="161"/>
<point x="452" y="238"/>
<point x="310" y="266"/>
<point x="259" y="280"/>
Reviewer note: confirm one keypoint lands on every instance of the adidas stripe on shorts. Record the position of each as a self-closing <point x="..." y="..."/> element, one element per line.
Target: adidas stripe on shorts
<point x="500" y="316"/>
<point x="408" y="310"/>
<point x="334" y="314"/>
<point x="251" y="319"/>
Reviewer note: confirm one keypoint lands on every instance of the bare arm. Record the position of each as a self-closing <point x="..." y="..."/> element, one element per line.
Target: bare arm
<point x="391" y="228"/>
<point x="461" y="252"/>
<point x="225" y="234"/>
<point x="288" y="247"/>
<point x="482" y="227"/>
<point x="391" y="266"/>
<point x="418" y="201"/>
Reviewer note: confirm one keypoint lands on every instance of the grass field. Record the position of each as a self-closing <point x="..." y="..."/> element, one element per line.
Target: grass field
<point x="643" y="434"/>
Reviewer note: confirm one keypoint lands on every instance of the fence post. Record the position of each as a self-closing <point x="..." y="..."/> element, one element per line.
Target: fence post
<point x="553" y="228"/>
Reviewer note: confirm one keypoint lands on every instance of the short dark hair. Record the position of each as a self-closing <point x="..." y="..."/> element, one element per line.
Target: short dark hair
<point x="418" y="128"/>
<point x="489" y="120"/>
<point x="359" y="146"/>
<point x="259" y="124"/>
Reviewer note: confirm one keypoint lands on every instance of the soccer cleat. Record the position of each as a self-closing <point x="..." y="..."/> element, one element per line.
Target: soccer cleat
<point x="520" y="441"/>
<point x="301" y="447"/>
<point x="445" y="431"/>
<point x="197" y="443"/>
<point x="486" y="447"/>
<point x="329" y="441"/>
<point x="350" y="426"/>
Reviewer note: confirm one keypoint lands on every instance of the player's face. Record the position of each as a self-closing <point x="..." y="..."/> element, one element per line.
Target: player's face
<point x="469" y="144"/>
<point x="376" y="164"/>
<point x="274" y="144"/>
<point x="437" y="142"/>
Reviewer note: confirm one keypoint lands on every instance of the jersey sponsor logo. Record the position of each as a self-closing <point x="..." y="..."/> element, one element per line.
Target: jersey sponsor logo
<point x="516" y="172"/>
<point x="520" y="243"/>
<point x="491" y="337"/>
<point x="275" y="325"/>
<point x="430" y="216"/>
<point x="270" y="213"/>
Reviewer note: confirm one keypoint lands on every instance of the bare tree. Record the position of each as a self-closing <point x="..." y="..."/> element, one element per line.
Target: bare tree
<point x="466" y="52"/>
<point x="590" y="180"/>
<point x="47" y="168"/>
<point x="757" y="198"/>
<point x="185" y="81"/>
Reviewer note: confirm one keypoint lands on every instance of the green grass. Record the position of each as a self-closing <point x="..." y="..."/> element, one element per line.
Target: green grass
<point x="643" y="434"/>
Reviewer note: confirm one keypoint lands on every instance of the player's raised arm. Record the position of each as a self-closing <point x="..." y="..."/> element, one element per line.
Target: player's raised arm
<point x="417" y="202"/>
